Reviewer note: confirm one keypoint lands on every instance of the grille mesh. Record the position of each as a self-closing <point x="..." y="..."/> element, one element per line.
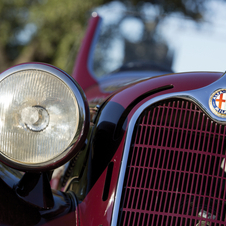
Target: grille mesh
<point x="175" y="168"/>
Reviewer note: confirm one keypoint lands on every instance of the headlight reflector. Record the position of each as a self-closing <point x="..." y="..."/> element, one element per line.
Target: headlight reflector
<point x="41" y="116"/>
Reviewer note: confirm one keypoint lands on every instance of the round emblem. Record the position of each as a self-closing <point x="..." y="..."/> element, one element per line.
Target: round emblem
<point x="217" y="103"/>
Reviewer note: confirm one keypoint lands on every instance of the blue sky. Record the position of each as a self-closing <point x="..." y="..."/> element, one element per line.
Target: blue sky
<point x="200" y="47"/>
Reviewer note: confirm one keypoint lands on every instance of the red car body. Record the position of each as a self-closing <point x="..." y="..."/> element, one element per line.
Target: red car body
<point x="93" y="178"/>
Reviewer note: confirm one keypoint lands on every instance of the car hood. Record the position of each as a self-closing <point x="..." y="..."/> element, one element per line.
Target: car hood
<point x="106" y="87"/>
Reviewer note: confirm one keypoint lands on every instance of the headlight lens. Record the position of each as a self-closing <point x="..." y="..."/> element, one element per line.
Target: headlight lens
<point x="40" y="116"/>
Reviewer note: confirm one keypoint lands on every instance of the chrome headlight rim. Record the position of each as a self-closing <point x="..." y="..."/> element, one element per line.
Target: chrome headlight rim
<point x="83" y="125"/>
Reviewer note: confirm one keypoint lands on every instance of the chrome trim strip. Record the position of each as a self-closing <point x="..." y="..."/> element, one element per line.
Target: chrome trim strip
<point x="199" y="96"/>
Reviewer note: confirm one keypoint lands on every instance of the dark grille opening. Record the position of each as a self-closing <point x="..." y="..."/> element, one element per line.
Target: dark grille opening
<point x="176" y="171"/>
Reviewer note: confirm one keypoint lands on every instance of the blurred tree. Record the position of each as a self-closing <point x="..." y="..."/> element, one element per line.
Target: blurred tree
<point x="46" y="31"/>
<point x="41" y="30"/>
<point x="190" y="8"/>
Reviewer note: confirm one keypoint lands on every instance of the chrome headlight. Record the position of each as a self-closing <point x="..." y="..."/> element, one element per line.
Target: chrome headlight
<point x="43" y="117"/>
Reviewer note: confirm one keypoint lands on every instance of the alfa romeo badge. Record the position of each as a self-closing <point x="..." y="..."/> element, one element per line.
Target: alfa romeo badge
<point x="217" y="103"/>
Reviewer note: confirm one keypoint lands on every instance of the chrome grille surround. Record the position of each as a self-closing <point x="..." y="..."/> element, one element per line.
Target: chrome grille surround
<point x="200" y="97"/>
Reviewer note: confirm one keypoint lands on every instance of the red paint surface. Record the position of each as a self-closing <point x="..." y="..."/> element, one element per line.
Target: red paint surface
<point x="69" y="219"/>
<point x="94" y="211"/>
<point x="81" y="72"/>
<point x="181" y="82"/>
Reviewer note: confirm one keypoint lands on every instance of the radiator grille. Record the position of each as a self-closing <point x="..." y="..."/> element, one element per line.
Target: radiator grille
<point x="176" y="170"/>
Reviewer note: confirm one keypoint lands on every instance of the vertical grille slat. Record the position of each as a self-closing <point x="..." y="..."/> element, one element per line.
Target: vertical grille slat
<point x="176" y="170"/>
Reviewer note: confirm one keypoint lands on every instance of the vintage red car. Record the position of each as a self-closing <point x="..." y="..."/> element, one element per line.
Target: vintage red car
<point x="141" y="146"/>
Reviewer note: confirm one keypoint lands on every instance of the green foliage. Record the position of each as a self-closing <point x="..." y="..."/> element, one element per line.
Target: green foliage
<point x="59" y="27"/>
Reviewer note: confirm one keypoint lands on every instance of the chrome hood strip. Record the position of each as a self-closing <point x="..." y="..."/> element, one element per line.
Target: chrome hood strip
<point x="201" y="97"/>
